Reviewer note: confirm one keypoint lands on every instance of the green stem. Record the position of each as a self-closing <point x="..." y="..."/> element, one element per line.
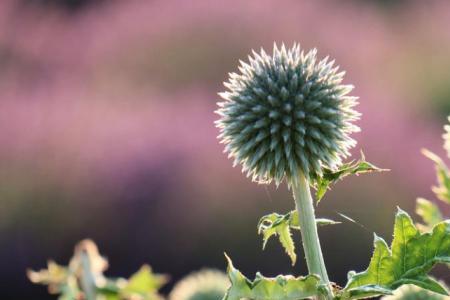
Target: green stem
<point x="87" y="278"/>
<point x="308" y="228"/>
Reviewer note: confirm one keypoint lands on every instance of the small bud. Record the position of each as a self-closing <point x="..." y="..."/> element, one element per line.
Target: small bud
<point x="206" y="284"/>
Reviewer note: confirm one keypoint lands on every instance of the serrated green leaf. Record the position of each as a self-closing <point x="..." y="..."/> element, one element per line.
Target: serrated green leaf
<point x="111" y="288"/>
<point x="329" y="177"/>
<point x="442" y="190"/>
<point x="430" y="213"/>
<point x="275" y="224"/>
<point x="281" y="225"/>
<point x="54" y="274"/>
<point x="411" y="256"/>
<point x="412" y="292"/>
<point x="59" y="280"/>
<point x="145" y="283"/>
<point x="364" y="292"/>
<point x="282" y="287"/>
<point x="427" y="283"/>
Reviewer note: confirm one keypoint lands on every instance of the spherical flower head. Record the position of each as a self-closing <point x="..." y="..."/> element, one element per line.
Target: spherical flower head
<point x="447" y="138"/>
<point x="206" y="284"/>
<point x="287" y="114"/>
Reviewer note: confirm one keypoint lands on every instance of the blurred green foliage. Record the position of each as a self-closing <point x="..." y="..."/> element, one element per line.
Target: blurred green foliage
<point x="83" y="278"/>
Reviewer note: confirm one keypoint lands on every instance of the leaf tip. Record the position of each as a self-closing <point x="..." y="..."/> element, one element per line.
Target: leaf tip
<point x="227" y="258"/>
<point x="350" y="274"/>
<point x="293" y="259"/>
<point x="376" y="237"/>
<point x="426" y="152"/>
<point x="401" y="212"/>
<point x="430" y="155"/>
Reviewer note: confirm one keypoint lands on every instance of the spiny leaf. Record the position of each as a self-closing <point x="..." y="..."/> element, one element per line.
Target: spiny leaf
<point x="282" y="287"/>
<point x="412" y="292"/>
<point x="364" y="292"/>
<point x="429" y="212"/>
<point x="329" y="177"/>
<point x="110" y="290"/>
<point x="411" y="256"/>
<point x="442" y="190"/>
<point x="54" y="274"/>
<point x="142" y="285"/>
<point x="59" y="280"/>
<point x="145" y="283"/>
<point x="281" y="225"/>
<point x="275" y="224"/>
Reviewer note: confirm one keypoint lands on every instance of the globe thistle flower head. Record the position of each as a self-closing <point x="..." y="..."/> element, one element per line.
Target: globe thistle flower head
<point x="207" y="284"/>
<point x="287" y="114"/>
<point x="447" y="138"/>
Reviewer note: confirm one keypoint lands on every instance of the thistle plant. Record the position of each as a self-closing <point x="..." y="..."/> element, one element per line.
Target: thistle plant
<point x="287" y="116"/>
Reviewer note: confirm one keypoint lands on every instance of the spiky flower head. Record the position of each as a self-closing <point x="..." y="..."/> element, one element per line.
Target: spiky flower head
<point x="207" y="284"/>
<point x="287" y="114"/>
<point x="447" y="138"/>
<point x="412" y="292"/>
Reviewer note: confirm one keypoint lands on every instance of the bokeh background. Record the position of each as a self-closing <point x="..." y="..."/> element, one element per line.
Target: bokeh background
<point x="106" y="129"/>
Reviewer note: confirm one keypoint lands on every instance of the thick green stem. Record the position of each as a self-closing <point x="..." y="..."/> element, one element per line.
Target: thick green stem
<point x="308" y="228"/>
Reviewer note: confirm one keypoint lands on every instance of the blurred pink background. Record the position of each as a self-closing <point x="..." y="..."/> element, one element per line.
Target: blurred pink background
<point x="106" y="129"/>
